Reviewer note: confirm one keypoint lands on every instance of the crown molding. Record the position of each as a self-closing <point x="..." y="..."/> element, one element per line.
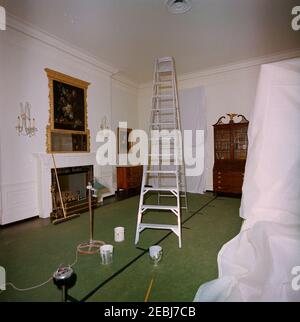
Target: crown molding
<point x="243" y="64"/>
<point x="124" y="81"/>
<point x="235" y="66"/>
<point x="28" y="29"/>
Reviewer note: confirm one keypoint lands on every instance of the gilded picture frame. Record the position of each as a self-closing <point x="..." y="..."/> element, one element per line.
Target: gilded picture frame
<point x="68" y="127"/>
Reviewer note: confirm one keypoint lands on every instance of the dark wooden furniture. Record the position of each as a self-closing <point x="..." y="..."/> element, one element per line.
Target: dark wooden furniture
<point x="230" y="150"/>
<point x="129" y="177"/>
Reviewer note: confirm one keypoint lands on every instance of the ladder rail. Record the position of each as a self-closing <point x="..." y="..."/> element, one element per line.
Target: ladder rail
<point x="182" y="149"/>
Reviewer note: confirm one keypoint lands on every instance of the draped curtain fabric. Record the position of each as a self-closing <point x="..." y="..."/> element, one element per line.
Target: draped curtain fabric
<point x="262" y="263"/>
<point x="193" y="117"/>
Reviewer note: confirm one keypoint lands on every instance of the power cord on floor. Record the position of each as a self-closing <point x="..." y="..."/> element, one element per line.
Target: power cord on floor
<point x="40" y="285"/>
<point x="29" y="288"/>
<point x="76" y="258"/>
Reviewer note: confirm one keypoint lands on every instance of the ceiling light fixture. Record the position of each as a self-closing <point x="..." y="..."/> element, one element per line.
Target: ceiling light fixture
<point x="178" y="6"/>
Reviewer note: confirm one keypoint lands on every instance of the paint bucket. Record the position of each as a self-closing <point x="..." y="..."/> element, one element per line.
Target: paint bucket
<point x="119" y="234"/>
<point x="155" y="253"/>
<point x="106" y="254"/>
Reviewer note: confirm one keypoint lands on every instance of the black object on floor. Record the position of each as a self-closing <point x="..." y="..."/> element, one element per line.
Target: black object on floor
<point x="64" y="278"/>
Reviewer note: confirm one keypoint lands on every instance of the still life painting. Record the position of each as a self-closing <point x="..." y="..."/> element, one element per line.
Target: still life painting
<point x="69" y="107"/>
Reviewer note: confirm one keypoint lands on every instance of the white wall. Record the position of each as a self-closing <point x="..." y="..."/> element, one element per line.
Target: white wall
<point x="22" y="64"/>
<point x="226" y="92"/>
<point x="124" y="104"/>
<point x="124" y="109"/>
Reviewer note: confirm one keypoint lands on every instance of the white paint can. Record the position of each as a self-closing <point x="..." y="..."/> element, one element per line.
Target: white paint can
<point x="106" y="253"/>
<point x="119" y="234"/>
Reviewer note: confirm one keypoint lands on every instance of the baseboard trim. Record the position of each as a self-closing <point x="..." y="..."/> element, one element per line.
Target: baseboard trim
<point x="18" y="222"/>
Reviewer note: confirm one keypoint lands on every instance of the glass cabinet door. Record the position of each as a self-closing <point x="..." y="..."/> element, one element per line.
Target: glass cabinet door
<point x="239" y="142"/>
<point x="222" y="144"/>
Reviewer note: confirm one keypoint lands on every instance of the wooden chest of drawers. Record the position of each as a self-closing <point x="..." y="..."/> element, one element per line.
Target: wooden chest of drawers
<point x="129" y="177"/>
<point x="228" y="181"/>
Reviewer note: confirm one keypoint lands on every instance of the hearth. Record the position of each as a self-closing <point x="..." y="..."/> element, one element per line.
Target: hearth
<point x="73" y="182"/>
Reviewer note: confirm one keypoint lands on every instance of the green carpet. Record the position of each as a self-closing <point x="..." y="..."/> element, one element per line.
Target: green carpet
<point x="32" y="256"/>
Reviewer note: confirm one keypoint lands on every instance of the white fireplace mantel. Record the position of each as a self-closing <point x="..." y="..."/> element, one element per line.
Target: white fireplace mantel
<point x="44" y="166"/>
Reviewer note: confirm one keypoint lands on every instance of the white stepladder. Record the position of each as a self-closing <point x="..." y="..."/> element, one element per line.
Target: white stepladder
<point x="164" y="176"/>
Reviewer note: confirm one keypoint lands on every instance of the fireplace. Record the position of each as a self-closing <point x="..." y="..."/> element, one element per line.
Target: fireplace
<point x="44" y="165"/>
<point x="73" y="182"/>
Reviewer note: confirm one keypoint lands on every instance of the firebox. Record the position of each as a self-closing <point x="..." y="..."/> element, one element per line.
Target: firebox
<point x="73" y="182"/>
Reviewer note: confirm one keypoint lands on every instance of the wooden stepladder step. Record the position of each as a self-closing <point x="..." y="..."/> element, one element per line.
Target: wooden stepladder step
<point x="165" y="183"/>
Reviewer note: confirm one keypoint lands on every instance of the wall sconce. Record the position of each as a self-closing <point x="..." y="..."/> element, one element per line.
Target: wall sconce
<point x="104" y="125"/>
<point x="26" y="126"/>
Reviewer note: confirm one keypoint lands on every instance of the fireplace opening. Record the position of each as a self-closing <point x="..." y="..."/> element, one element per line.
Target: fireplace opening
<point x="73" y="182"/>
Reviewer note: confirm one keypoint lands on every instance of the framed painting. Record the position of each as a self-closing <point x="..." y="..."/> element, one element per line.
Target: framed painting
<point x="123" y="143"/>
<point x="67" y="130"/>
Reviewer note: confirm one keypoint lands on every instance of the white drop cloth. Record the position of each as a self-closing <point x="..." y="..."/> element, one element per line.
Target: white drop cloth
<point x="257" y="265"/>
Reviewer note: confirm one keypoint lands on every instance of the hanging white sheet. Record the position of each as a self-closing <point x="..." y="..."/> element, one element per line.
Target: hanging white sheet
<point x="262" y="263"/>
<point x="193" y="117"/>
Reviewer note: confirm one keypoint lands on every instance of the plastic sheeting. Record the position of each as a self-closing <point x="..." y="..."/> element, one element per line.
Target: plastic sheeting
<point x="262" y="263"/>
<point x="193" y="117"/>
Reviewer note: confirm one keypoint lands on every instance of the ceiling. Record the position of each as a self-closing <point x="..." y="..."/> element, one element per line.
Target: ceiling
<point x="130" y="34"/>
